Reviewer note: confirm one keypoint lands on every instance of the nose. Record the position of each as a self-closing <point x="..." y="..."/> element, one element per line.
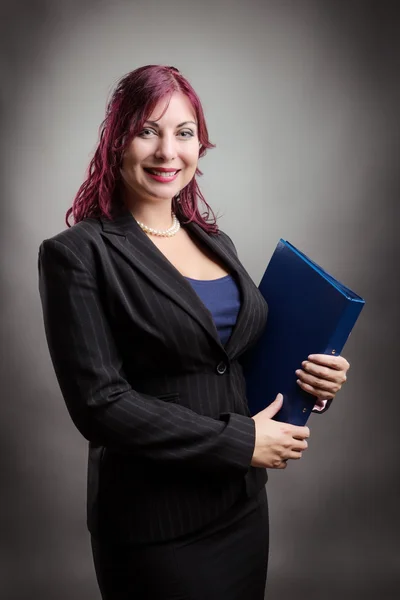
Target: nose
<point x="166" y="149"/>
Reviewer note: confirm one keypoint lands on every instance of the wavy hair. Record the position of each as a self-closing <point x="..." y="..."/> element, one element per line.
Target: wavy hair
<point x="132" y="102"/>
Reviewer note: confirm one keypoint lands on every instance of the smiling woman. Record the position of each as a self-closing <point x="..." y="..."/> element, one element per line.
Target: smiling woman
<point x="148" y="313"/>
<point x="154" y="120"/>
<point x="165" y="152"/>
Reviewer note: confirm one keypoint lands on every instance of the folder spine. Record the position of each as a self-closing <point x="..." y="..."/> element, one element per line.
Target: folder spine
<point x="343" y="329"/>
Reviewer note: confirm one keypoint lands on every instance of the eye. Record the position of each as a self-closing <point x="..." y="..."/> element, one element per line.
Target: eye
<point x="187" y="133"/>
<point x="147" y="132"/>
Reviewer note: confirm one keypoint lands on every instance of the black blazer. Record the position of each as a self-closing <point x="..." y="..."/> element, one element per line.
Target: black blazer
<point x="146" y="379"/>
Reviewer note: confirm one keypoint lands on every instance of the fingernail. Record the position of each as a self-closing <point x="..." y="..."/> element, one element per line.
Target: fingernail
<point x="298" y="372"/>
<point x="311" y="356"/>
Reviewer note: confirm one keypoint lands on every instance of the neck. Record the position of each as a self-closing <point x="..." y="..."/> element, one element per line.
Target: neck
<point x="155" y="215"/>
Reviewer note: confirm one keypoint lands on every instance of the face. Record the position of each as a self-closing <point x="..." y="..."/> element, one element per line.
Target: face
<point x="162" y="158"/>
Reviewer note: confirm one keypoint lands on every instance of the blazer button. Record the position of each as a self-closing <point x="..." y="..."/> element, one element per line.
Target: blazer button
<point x="221" y="368"/>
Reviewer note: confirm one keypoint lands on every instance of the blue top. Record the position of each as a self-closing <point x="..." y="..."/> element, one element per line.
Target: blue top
<point x="222" y="298"/>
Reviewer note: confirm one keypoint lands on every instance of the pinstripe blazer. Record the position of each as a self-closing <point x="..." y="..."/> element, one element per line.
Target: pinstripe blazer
<point x="146" y="379"/>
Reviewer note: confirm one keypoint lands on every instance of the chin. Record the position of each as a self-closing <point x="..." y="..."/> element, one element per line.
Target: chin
<point x="167" y="195"/>
<point x="167" y="192"/>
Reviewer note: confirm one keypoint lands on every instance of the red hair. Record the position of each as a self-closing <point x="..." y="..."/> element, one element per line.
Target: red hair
<point x="131" y="103"/>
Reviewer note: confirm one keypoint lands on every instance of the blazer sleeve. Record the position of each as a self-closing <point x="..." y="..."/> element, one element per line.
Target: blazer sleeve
<point x="103" y="405"/>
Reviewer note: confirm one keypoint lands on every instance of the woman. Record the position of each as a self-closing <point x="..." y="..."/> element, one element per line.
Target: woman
<point x="148" y="312"/>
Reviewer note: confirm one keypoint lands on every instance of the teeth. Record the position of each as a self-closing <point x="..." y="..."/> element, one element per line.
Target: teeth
<point x="162" y="173"/>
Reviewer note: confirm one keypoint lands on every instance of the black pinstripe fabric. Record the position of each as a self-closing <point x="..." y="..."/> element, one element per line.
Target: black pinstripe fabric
<point x="146" y="379"/>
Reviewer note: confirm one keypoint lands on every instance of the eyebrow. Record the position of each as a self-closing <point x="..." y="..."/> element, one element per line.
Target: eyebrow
<point x="155" y="124"/>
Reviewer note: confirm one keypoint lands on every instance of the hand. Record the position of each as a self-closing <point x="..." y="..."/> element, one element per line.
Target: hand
<point x="323" y="375"/>
<point x="277" y="442"/>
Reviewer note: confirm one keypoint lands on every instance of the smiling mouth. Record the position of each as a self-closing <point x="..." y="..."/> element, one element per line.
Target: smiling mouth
<point x="165" y="174"/>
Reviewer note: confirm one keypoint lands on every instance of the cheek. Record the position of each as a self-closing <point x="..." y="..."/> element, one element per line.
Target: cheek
<point x="129" y="171"/>
<point x="135" y="154"/>
<point x="130" y="165"/>
<point x="192" y="157"/>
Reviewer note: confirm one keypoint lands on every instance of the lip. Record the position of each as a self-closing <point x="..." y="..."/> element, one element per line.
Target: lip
<point x="160" y="179"/>
<point x="162" y="169"/>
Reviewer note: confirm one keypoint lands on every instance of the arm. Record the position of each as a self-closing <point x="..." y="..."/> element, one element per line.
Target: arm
<point x="102" y="403"/>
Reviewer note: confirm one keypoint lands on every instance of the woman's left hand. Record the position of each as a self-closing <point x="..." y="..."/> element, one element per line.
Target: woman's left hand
<point x="323" y="375"/>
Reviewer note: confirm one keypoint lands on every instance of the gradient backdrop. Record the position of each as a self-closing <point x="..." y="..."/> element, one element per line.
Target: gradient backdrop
<point x="302" y="102"/>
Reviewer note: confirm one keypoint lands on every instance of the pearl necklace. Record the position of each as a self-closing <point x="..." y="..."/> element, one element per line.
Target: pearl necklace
<point x="173" y="230"/>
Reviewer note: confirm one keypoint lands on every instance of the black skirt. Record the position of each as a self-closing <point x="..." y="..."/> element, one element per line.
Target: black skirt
<point x="227" y="560"/>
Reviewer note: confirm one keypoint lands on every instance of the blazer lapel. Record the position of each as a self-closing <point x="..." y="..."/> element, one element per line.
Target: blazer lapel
<point x="127" y="237"/>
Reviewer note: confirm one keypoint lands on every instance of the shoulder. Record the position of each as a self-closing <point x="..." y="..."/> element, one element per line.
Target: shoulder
<point x="83" y="233"/>
<point x="81" y="239"/>
<point x="77" y="243"/>
<point x="226" y="240"/>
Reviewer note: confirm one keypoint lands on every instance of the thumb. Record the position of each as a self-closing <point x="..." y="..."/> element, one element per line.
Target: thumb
<point x="274" y="407"/>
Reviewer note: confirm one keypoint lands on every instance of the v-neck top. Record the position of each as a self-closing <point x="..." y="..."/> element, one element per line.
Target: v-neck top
<point x="222" y="298"/>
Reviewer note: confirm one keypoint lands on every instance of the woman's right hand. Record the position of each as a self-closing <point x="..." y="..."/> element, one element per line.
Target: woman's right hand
<point x="277" y="442"/>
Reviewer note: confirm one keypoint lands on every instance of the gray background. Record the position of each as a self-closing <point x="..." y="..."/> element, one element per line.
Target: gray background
<point x="302" y="101"/>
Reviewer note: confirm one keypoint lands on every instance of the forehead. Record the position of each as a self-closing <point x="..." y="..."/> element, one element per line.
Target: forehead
<point x="177" y="108"/>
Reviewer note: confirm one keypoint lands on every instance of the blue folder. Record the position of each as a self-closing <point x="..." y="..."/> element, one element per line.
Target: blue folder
<point x="310" y="312"/>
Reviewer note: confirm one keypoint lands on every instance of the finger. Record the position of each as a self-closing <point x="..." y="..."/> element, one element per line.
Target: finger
<point x="275" y="406"/>
<point x="315" y="382"/>
<point x="282" y="464"/>
<point x="334" y="362"/>
<point x="318" y="393"/>
<point x="325" y="373"/>
<point x="279" y="463"/>
<point x="299" y="433"/>
<point x="300" y="445"/>
<point x="294" y="455"/>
